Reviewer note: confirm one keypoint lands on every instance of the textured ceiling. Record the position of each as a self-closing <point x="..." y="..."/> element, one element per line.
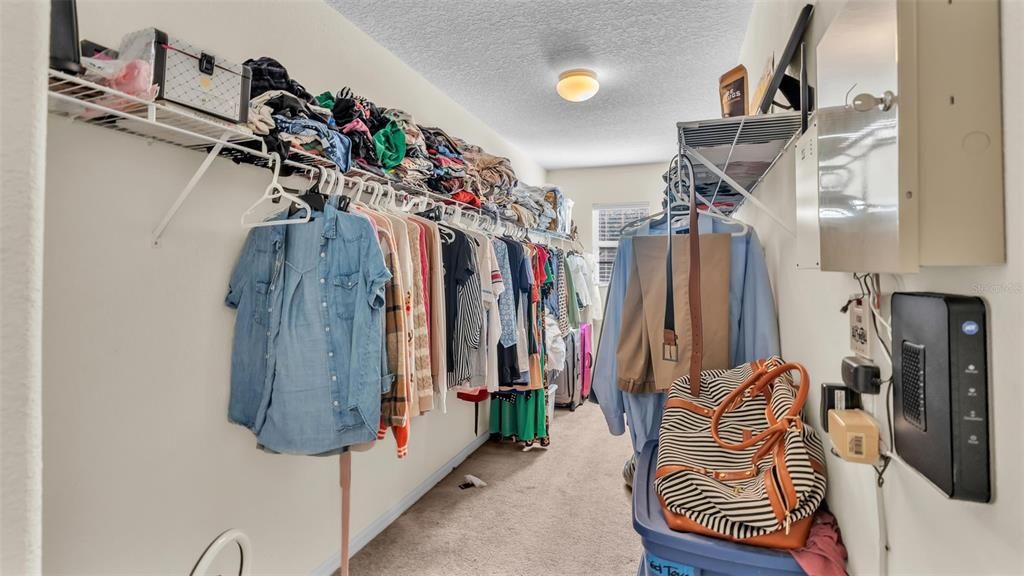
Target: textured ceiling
<point x="658" y="62"/>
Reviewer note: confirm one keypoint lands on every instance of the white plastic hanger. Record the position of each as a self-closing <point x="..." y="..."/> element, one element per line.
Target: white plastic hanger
<point x="357" y="191"/>
<point x="390" y="198"/>
<point x="275" y="190"/>
<point x="410" y="202"/>
<point x="713" y="212"/>
<point x="326" y="180"/>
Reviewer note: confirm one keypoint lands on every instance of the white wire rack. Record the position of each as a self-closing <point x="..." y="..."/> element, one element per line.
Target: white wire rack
<point x="80" y="100"/>
<point x="746" y="148"/>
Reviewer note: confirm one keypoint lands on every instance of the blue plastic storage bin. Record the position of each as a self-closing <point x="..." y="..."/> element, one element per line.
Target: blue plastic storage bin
<point x="669" y="553"/>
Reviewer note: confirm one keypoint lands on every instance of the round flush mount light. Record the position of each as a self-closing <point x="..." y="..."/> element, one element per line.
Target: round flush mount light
<point x="577" y="85"/>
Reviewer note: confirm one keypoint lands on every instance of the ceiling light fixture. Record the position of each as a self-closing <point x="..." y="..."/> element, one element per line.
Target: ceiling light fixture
<point x="577" y="85"/>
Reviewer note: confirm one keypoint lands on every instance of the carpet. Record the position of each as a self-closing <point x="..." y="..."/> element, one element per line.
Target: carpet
<point x="558" y="512"/>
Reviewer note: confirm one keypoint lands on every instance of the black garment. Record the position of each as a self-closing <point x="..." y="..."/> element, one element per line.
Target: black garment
<point x="364" y="150"/>
<point x="509" y="372"/>
<point x="456" y="255"/>
<point x="348" y="107"/>
<point x="273" y="143"/>
<point x="440" y="141"/>
<point x="291" y="106"/>
<point x="269" y="74"/>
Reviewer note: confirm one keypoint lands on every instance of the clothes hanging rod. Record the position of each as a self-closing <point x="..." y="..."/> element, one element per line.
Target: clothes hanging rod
<point x="353" y="177"/>
<point x="79" y="99"/>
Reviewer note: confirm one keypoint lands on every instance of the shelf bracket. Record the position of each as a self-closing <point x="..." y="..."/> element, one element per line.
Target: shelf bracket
<point x="692" y="153"/>
<point x="187" y="191"/>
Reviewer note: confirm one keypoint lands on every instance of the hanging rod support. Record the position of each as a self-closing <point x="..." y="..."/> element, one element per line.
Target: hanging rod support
<point x="187" y="191"/>
<point x="692" y="153"/>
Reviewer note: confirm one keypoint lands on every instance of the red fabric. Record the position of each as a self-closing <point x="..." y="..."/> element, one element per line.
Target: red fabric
<point x="447" y="162"/>
<point x="401" y="434"/>
<point x="720" y="204"/>
<point x="538" y="273"/>
<point x="824" y="553"/>
<point x="474" y="395"/>
<point x="464" y="197"/>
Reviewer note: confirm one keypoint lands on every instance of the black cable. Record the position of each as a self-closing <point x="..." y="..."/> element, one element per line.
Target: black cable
<point x="869" y="287"/>
<point x="880" y="472"/>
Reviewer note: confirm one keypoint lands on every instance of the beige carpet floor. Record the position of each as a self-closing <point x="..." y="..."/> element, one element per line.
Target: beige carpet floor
<point x="556" y="512"/>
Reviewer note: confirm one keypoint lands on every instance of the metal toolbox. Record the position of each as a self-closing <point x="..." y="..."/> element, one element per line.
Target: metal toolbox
<point x="190" y="76"/>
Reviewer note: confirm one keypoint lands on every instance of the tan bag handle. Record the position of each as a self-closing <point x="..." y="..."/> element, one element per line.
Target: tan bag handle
<point x="758" y="381"/>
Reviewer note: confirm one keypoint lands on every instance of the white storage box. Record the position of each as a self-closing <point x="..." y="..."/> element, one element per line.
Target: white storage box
<point x="190" y="76"/>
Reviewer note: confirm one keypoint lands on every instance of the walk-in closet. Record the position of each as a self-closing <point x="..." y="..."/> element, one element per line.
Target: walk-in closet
<point x="463" y="287"/>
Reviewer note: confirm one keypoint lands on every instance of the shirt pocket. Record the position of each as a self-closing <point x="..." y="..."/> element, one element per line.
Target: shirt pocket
<point x="261" y="313"/>
<point x="346" y="295"/>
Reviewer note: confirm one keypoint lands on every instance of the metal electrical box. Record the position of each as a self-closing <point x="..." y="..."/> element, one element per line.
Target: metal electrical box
<point x="808" y="239"/>
<point x="910" y="136"/>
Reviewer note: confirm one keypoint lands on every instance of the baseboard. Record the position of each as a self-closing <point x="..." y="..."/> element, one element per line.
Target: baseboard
<point x="363" y="538"/>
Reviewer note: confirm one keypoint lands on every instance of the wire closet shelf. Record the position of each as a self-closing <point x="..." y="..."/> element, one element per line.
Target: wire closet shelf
<point x="80" y="100"/>
<point x="733" y="155"/>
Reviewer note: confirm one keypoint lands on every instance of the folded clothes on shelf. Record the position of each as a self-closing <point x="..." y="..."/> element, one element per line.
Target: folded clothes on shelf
<point x="351" y="130"/>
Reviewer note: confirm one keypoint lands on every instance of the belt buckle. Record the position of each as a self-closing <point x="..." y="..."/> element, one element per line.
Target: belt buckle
<point x="669" y="347"/>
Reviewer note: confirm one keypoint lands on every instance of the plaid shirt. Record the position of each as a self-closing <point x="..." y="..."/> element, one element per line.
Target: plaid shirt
<point x="394" y="403"/>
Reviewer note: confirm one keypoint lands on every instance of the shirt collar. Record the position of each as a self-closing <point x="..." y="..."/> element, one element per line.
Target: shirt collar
<point x="330" y="221"/>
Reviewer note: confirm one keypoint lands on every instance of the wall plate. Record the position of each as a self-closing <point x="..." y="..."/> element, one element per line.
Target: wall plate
<point x="860" y="326"/>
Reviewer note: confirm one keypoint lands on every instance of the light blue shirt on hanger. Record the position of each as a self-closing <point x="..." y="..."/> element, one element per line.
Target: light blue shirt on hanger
<point x="753" y="330"/>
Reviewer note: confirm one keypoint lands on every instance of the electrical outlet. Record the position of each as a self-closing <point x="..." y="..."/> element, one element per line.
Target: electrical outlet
<point x="860" y="326"/>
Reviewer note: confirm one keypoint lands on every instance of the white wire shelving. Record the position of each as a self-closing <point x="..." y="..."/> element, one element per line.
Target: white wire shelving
<point x="83" y="101"/>
<point x="739" y="152"/>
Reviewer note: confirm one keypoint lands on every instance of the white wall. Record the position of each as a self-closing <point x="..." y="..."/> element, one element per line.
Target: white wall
<point x="928" y="534"/>
<point x="628" y="183"/>
<point x="24" y="53"/>
<point x="142" y="468"/>
<point x="610" y="184"/>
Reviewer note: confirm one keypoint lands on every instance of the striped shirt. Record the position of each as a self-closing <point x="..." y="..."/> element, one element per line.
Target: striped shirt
<point x="463" y="301"/>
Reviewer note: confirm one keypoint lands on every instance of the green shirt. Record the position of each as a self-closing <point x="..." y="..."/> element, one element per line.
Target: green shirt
<point x="390" y="144"/>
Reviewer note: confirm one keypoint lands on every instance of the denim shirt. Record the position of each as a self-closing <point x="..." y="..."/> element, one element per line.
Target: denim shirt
<point x="252" y="291"/>
<point x="323" y="323"/>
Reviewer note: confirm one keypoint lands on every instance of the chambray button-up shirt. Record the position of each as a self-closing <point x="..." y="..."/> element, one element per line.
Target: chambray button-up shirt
<point x="753" y="330"/>
<point x="323" y="320"/>
<point x="253" y="291"/>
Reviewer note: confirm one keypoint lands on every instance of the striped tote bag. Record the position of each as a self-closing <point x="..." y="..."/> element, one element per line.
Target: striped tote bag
<point x="735" y="459"/>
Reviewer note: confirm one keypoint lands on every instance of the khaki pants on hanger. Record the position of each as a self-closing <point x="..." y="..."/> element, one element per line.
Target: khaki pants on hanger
<point x="641" y="367"/>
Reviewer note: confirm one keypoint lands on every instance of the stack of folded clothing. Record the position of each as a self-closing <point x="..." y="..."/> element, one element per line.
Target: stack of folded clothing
<point x="268" y="74"/>
<point x="351" y="130"/>
<point x="556" y="202"/>
<point x="362" y="120"/>
<point x="724" y="197"/>
<point x="486" y="173"/>
<point x="449" y="168"/>
<point x="315" y="137"/>
<point x="416" y="168"/>
<point x="288" y="117"/>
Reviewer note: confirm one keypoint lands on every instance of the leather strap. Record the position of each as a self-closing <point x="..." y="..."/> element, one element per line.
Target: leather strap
<point x="696" y="323"/>
<point x="716" y="474"/>
<point x="689" y="406"/>
<point x="670" y="340"/>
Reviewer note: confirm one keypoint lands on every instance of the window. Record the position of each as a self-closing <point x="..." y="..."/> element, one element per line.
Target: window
<point x="608" y="222"/>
